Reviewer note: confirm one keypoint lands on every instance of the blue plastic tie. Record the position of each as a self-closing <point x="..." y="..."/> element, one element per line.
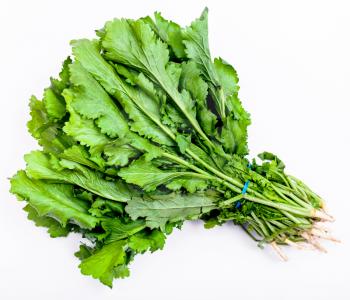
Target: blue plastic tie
<point x="238" y="204"/>
<point x="244" y="190"/>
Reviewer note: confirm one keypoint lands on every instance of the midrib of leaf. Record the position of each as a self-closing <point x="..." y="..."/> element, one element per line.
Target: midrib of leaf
<point x="156" y="120"/>
<point x="176" y="207"/>
<point x="178" y="174"/>
<point x="177" y="99"/>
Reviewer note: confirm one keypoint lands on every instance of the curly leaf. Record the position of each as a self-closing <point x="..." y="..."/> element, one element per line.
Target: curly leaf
<point x="55" y="229"/>
<point x="40" y="167"/>
<point x="143" y="241"/>
<point x="103" y="264"/>
<point x="170" y="32"/>
<point x="51" y="199"/>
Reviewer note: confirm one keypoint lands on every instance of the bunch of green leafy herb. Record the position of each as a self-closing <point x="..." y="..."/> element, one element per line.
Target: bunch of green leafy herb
<point x="142" y="131"/>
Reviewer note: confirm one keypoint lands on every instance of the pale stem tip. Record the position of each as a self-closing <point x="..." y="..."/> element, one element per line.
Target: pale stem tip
<point x="323" y="216"/>
<point x="279" y="251"/>
<point x="295" y="245"/>
<point x="323" y="235"/>
<point x="313" y="242"/>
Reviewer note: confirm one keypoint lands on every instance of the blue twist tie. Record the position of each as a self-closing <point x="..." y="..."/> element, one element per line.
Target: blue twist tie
<point x="244" y="190"/>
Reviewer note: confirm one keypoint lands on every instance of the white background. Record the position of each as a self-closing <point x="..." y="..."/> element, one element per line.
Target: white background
<point x="293" y="61"/>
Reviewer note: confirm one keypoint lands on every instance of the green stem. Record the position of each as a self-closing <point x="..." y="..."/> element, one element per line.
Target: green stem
<point x="291" y="217"/>
<point x="281" y="176"/>
<point x="295" y="198"/>
<point x="278" y="224"/>
<point x="307" y="189"/>
<point x="260" y="224"/>
<point x="215" y="171"/>
<point x="228" y="202"/>
<point x="302" y="193"/>
<point x="269" y="225"/>
<point x="300" y="201"/>
<point x="280" y="194"/>
<point x="286" y="190"/>
<point x="195" y="168"/>
<point x="249" y="233"/>
<point x="282" y="206"/>
<point x="184" y="163"/>
<point x="256" y="228"/>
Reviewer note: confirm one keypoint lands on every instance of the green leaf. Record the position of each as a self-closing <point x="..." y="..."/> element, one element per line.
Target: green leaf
<point x="55" y="229"/>
<point x="268" y="156"/>
<point x="145" y="240"/>
<point x="272" y="168"/>
<point x="103" y="263"/>
<point x="234" y="135"/>
<point x="82" y="129"/>
<point x="84" y="252"/>
<point x="144" y="145"/>
<point x="118" y="230"/>
<point x="39" y="167"/>
<point x="197" y="49"/>
<point x="79" y="154"/>
<point x="90" y="99"/>
<point x="183" y="142"/>
<point x="121" y="271"/>
<point x="58" y="85"/>
<point x="46" y="131"/>
<point x="119" y="152"/>
<point x="56" y="200"/>
<point x="47" y="115"/>
<point x="170" y="32"/>
<point x="234" y="131"/>
<point x="133" y="43"/>
<point x="146" y="175"/>
<point x="190" y="184"/>
<point x="192" y="81"/>
<point x="101" y="207"/>
<point x="199" y="152"/>
<point x="54" y="104"/>
<point x="227" y="75"/>
<point x="133" y="78"/>
<point x="39" y="117"/>
<point x="160" y="209"/>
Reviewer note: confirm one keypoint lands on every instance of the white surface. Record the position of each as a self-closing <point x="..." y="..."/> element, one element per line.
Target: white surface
<point x="293" y="62"/>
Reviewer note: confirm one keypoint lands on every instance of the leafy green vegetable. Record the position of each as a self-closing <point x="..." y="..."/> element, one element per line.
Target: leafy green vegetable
<point x="143" y="131"/>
